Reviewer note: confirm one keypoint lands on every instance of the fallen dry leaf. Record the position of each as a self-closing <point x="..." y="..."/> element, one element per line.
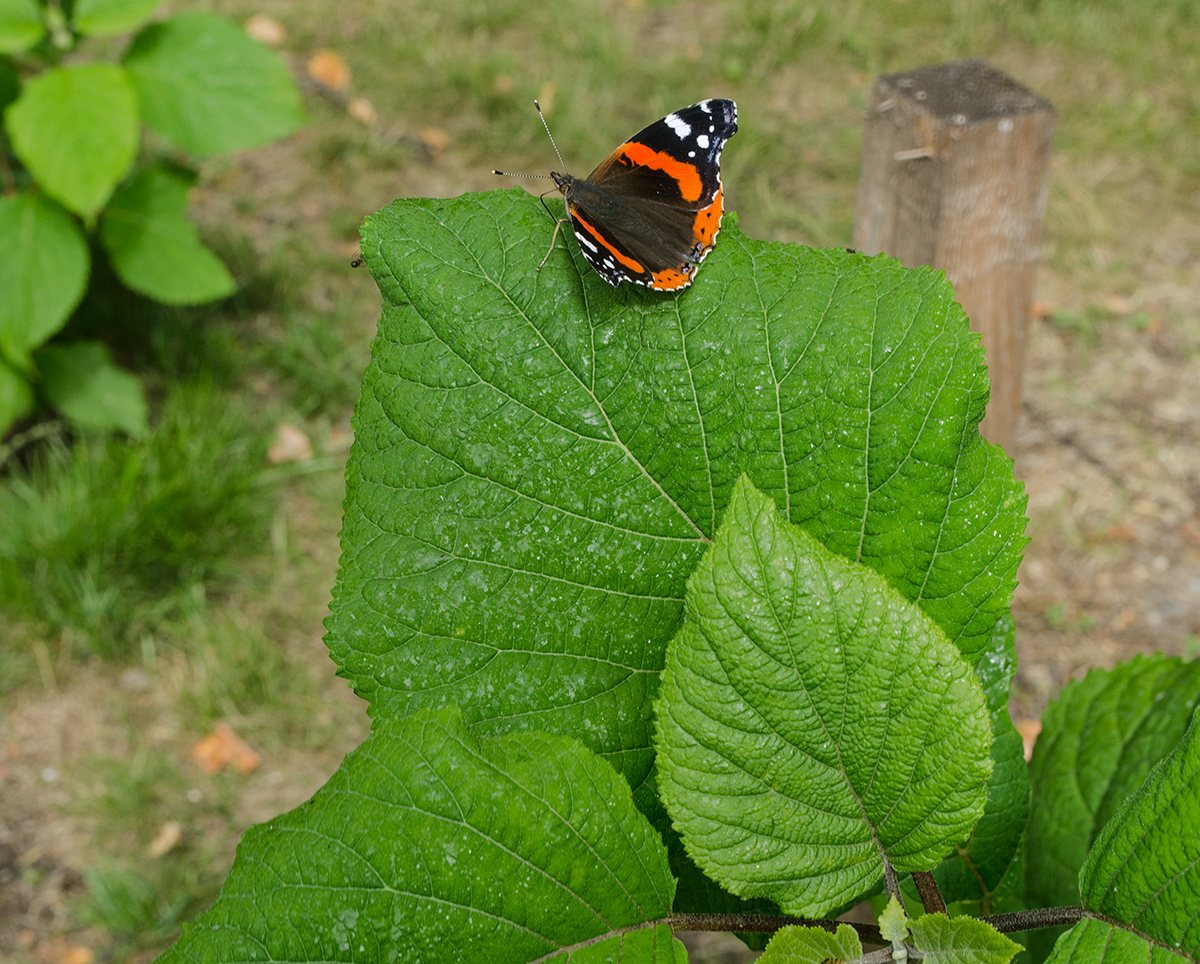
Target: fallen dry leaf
<point x="167" y="839"/>
<point x="223" y="748"/>
<point x="289" y="445"/>
<point x="266" y="30"/>
<point x="362" y="110"/>
<point x="58" y="950"/>
<point x="329" y="69"/>
<point x="1029" y="729"/>
<point x="435" y="140"/>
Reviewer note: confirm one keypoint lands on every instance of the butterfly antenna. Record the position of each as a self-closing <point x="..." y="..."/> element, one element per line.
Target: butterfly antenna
<point x="549" y="135"/>
<point x="552" y="144"/>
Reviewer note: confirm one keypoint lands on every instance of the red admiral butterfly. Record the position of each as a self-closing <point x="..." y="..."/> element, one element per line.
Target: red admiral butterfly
<point x="651" y="211"/>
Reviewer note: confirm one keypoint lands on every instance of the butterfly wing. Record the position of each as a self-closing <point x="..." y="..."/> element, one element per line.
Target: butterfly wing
<point x="651" y="211"/>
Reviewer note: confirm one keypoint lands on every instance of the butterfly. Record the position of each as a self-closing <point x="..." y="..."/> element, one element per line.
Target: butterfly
<point x="650" y="212"/>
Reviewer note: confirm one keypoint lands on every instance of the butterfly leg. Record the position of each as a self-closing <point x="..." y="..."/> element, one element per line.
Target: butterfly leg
<point x="554" y="237"/>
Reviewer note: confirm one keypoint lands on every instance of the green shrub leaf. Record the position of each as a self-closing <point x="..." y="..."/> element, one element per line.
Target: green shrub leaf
<point x="540" y="459"/>
<point x="1100" y="738"/>
<point x="812" y="945"/>
<point x="960" y="940"/>
<point x="44" y="266"/>
<point x="21" y="25"/>
<point x="76" y="129"/>
<point x="1097" y="942"/>
<point x="80" y="380"/>
<point x="429" y="844"/>
<point x="153" y="246"/>
<point x="16" y="396"/>
<point x="1144" y="867"/>
<point x="812" y="721"/>
<point x="207" y="87"/>
<point x="102" y="18"/>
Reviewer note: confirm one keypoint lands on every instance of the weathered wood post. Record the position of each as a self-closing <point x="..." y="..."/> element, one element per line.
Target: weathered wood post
<point x="955" y="165"/>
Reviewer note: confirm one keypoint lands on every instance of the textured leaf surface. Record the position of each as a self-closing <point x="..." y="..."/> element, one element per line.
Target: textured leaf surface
<point x="812" y="945"/>
<point x="812" y="721"/>
<point x="76" y="129"/>
<point x="1099" y="740"/>
<point x="540" y="460"/>
<point x="431" y="845"/>
<point x="960" y="940"/>
<point x="1095" y="942"/>
<point x="101" y="18"/>
<point x="153" y="246"/>
<point x="207" y="87"/>
<point x="80" y="380"/>
<point x="1144" y="868"/>
<point x="44" y="267"/>
<point x="21" y="25"/>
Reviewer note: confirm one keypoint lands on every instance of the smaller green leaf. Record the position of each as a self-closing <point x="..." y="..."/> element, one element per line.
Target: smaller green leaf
<point x="103" y="18"/>
<point x="80" y="380"/>
<point x="1097" y="942"/>
<point x="893" y="922"/>
<point x="153" y="246"/>
<point x="76" y="129"/>
<point x="10" y="84"/>
<point x="207" y="87"/>
<point x="44" y="266"/>
<point x="16" y="396"/>
<point x="812" y="945"/>
<point x="21" y="25"/>
<point x="812" y="721"/>
<point x="960" y="940"/>
<point x="1100" y="737"/>
<point x="976" y="871"/>
<point x="1144" y="868"/>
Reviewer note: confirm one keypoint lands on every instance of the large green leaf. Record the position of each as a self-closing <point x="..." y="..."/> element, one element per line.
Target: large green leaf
<point x="431" y="845"/>
<point x="812" y="721"/>
<point x="21" y="25"/>
<point x="540" y="460"/>
<point x="76" y="129"/>
<point x="1144" y="867"/>
<point x="153" y="246"/>
<point x="44" y="266"/>
<point x="207" y="87"/>
<point x="101" y="18"/>
<point x="80" y="380"/>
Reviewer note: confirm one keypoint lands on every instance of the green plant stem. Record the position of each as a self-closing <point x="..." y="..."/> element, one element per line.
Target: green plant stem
<point x="931" y="896"/>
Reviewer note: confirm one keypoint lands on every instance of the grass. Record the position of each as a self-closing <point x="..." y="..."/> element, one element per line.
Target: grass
<point x="172" y="553"/>
<point x="105" y="538"/>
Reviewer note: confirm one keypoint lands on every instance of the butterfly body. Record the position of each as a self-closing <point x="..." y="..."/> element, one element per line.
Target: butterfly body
<point x="650" y="212"/>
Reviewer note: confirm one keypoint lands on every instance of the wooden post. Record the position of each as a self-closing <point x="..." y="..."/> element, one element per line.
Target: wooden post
<point x="955" y="164"/>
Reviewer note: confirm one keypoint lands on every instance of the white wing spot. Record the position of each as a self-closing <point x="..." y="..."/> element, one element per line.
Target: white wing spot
<point x="586" y="242"/>
<point x="681" y="127"/>
<point x="702" y="141"/>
